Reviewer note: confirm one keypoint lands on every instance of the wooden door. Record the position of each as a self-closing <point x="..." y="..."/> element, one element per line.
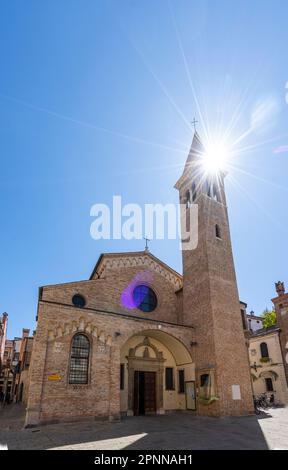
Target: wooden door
<point x="136" y="393"/>
<point x="150" y="392"/>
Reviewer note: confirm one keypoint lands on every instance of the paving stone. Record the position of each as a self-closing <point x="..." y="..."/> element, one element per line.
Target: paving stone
<point x="172" y="431"/>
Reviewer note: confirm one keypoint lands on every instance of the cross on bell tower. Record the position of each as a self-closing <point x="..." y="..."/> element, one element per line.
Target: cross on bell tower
<point x="194" y="122"/>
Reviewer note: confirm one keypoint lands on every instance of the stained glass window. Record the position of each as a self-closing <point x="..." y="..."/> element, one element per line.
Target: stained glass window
<point x="144" y="298"/>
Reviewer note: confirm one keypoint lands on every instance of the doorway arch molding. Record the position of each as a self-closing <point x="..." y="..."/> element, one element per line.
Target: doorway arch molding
<point x="152" y="360"/>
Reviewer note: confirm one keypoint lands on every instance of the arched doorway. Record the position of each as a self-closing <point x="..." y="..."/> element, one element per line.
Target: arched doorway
<point x="157" y="372"/>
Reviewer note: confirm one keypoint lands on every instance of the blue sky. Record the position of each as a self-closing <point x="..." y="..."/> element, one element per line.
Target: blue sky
<point x="96" y="99"/>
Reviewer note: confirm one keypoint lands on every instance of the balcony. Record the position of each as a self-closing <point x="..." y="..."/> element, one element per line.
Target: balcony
<point x="265" y="360"/>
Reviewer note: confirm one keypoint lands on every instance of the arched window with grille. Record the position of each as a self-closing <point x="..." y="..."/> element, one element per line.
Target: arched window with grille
<point x="264" y="350"/>
<point x="79" y="359"/>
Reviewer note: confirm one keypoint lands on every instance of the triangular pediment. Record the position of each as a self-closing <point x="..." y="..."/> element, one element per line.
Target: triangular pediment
<point x="141" y="259"/>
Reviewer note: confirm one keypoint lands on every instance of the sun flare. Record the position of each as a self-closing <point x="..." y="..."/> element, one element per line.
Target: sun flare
<point x="215" y="157"/>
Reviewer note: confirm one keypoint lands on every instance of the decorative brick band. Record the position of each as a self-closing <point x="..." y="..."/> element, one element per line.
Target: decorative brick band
<point x="80" y="326"/>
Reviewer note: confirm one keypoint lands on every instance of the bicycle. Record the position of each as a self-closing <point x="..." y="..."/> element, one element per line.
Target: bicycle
<point x="263" y="401"/>
<point x="256" y="406"/>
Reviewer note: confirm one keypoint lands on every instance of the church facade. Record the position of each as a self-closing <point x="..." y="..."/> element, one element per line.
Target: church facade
<point x="138" y="337"/>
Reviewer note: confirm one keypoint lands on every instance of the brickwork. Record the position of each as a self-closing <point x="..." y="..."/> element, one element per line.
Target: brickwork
<point x="106" y="293"/>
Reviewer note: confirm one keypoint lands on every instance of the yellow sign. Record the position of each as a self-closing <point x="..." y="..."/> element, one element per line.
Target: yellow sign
<point x="54" y="377"/>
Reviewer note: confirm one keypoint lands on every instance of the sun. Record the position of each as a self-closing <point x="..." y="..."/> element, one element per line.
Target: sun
<point x="215" y="157"/>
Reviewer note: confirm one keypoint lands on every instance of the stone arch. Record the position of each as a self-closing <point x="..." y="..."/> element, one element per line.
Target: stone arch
<point x="179" y="348"/>
<point x="269" y="374"/>
<point x="168" y="351"/>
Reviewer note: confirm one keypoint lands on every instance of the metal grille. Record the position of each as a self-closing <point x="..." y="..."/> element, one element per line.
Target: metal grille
<point x="79" y="360"/>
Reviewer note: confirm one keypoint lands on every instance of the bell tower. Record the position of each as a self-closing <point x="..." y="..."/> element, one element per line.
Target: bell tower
<point x="210" y="295"/>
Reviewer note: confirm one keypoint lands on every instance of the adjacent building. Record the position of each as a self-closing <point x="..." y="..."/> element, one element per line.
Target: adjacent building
<point x="266" y="363"/>
<point x="6" y="377"/>
<point x="3" y="335"/>
<point x="254" y="322"/>
<point x="266" y="357"/>
<point x="14" y="378"/>
<point x="21" y="386"/>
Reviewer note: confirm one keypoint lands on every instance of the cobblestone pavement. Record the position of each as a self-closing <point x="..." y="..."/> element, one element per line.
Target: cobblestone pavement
<point x="171" y="431"/>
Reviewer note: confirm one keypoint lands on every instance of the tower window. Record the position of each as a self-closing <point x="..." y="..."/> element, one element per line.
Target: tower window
<point x="79" y="360"/>
<point x="207" y="188"/>
<point x="188" y="199"/>
<point x="216" y="196"/>
<point x="194" y="192"/>
<point x="217" y="231"/>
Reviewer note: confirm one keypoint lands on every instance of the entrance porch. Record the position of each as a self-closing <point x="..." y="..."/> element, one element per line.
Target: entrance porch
<point x="157" y="375"/>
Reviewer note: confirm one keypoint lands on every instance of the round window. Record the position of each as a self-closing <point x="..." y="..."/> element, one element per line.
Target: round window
<point x="144" y="298"/>
<point x="78" y="300"/>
